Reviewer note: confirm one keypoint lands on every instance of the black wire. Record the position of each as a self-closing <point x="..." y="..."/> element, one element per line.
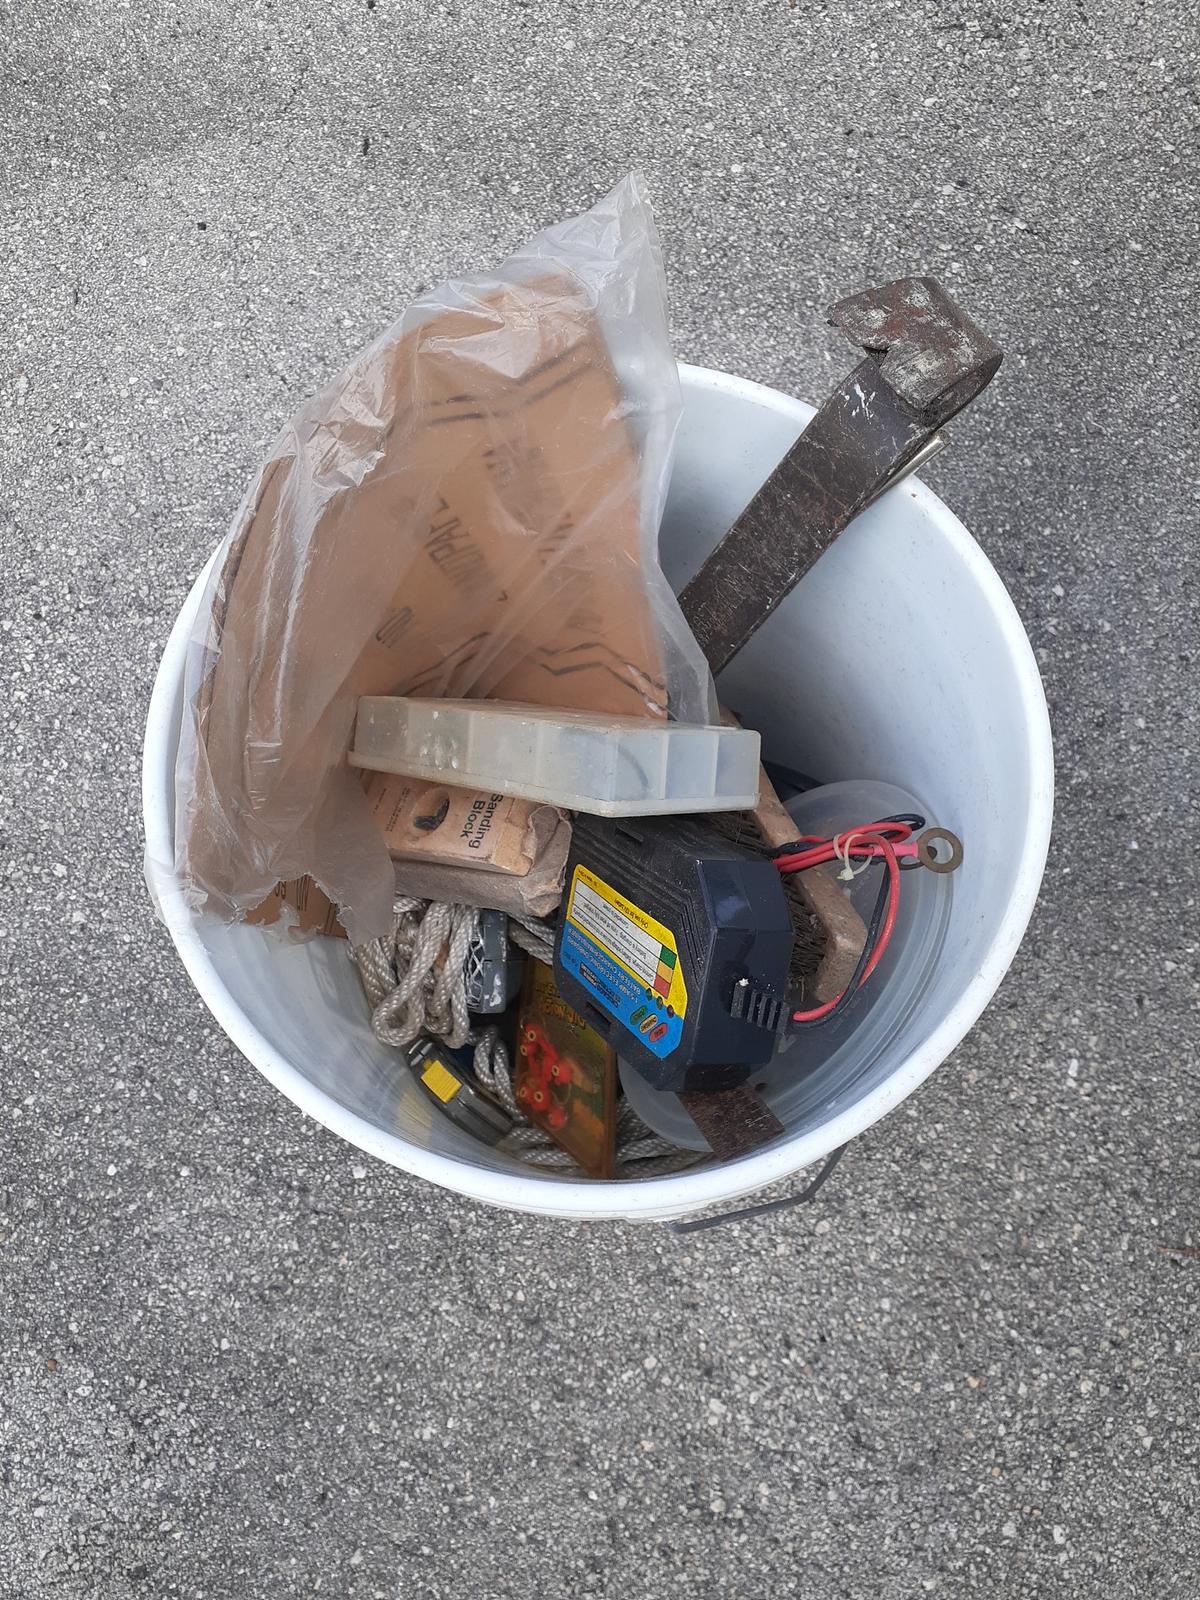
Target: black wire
<point x="766" y="1205"/>
<point x="868" y="950"/>
<point x="908" y="817"/>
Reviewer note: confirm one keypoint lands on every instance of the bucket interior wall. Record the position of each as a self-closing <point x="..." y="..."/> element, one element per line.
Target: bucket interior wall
<point x="890" y="661"/>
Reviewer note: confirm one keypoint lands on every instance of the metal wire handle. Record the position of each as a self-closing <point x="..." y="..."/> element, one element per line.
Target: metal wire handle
<point x="760" y="1210"/>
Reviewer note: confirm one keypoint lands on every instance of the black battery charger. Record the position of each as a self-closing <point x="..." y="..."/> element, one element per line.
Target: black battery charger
<point x="675" y="944"/>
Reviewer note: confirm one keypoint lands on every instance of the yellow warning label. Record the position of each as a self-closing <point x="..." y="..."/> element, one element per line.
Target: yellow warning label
<point x="630" y="936"/>
<point x="439" y="1080"/>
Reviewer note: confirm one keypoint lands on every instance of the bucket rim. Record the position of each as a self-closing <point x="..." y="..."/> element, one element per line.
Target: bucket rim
<point x="673" y="1195"/>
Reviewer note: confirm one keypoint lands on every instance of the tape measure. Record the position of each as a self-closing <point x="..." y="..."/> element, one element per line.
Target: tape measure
<point x="447" y="1078"/>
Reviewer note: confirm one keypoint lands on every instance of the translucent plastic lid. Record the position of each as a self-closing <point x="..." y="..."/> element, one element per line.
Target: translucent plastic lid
<point x="608" y="766"/>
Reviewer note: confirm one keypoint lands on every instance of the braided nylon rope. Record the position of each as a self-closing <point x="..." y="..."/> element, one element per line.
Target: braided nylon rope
<point x="415" y="983"/>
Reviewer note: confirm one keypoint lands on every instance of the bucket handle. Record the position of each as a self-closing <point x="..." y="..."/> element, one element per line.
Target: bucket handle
<point x="787" y="1201"/>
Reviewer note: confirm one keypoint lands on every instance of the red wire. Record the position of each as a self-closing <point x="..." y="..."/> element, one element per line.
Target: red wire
<point x="899" y="834"/>
<point x="872" y="844"/>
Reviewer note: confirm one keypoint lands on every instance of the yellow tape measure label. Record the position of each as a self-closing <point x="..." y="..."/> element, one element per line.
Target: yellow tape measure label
<point x="439" y="1080"/>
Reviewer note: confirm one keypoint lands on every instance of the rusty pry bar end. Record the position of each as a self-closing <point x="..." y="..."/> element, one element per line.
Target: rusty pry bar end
<point x="933" y="356"/>
<point x="924" y="360"/>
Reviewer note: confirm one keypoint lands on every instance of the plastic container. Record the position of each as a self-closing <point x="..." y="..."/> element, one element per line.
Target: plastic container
<point x="900" y="657"/>
<point x="821" y="1061"/>
<point x="609" y="766"/>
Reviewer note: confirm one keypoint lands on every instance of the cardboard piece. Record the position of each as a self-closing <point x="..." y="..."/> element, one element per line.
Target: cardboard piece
<point x="458" y="515"/>
<point x="301" y="908"/>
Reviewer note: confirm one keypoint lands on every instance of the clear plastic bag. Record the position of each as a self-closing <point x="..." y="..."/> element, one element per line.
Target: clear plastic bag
<point x="470" y="510"/>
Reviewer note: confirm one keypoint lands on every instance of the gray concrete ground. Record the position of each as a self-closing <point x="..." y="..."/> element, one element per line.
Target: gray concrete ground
<point x="230" y="1368"/>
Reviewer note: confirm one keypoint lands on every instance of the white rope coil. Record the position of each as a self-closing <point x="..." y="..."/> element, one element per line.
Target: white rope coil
<point x="415" y="983"/>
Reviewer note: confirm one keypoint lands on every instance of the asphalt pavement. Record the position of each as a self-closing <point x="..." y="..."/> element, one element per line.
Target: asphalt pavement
<point x="239" y="1359"/>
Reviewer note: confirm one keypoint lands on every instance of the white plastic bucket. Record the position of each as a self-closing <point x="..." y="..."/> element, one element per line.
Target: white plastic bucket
<point x="900" y="657"/>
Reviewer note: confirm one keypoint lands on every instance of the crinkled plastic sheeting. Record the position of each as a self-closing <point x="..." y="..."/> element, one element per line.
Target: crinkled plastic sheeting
<point x="471" y="509"/>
